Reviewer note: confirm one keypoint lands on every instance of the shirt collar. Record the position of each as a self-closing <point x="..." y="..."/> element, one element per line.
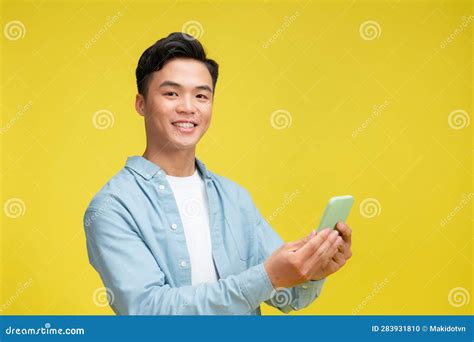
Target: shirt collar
<point x="148" y="169"/>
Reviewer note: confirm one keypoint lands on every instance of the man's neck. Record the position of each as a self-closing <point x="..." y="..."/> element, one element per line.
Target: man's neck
<point x="177" y="163"/>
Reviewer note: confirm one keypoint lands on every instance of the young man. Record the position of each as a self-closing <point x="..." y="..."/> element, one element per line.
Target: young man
<point x="167" y="236"/>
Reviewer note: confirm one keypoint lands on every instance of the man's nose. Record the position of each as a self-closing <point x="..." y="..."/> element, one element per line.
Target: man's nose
<point x="186" y="105"/>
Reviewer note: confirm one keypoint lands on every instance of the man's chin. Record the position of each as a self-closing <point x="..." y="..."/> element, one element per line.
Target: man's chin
<point x="184" y="145"/>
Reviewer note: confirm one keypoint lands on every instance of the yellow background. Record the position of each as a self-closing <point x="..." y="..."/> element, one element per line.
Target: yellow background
<point x="320" y="69"/>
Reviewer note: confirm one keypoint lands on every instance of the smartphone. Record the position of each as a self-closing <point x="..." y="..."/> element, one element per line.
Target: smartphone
<point x="337" y="210"/>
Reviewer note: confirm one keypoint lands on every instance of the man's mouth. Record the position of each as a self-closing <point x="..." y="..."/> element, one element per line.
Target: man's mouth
<point x="184" y="124"/>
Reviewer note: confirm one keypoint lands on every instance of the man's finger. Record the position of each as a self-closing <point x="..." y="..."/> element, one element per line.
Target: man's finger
<point x="313" y="244"/>
<point x="319" y="263"/>
<point x="301" y="242"/>
<point x="324" y="252"/>
<point x="344" y="230"/>
<point x="332" y="250"/>
<point x="332" y="267"/>
<point x="339" y="258"/>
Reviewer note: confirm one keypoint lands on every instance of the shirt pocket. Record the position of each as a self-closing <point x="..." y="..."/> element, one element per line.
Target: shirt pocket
<point x="241" y="236"/>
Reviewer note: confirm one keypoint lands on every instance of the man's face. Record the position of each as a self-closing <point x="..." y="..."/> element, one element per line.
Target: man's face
<point x="178" y="105"/>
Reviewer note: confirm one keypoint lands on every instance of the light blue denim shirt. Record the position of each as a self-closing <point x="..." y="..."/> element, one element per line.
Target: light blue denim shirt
<point x="136" y="242"/>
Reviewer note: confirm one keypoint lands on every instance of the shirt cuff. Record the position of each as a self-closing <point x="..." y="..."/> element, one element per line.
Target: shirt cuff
<point x="309" y="291"/>
<point x="256" y="285"/>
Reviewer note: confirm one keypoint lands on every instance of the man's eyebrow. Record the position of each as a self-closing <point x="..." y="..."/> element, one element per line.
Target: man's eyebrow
<point x="204" y="87"/>
<point x="177" y="85"/>
<point x="170" y="84"/>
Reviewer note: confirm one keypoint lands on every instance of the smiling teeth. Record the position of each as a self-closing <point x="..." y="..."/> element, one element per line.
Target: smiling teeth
<point x="184" y="124"/>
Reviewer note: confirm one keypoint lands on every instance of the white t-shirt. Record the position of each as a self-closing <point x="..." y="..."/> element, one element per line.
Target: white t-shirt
<point x="191" y="198"/>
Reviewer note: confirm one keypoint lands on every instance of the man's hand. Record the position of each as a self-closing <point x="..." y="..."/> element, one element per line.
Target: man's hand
<point x="306" y="259"/>
<point x="344" y="252"/>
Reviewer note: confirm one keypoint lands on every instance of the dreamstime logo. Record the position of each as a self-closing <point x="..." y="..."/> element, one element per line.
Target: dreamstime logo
<point x="110" y="21"/>
<point x="191" y="208"/>
<point x="458" y="119"/>
<point x="466" y="199"/>
<point x="287" y="21"/>
<point x="377" y="110"/>
<point x="458" y="297"/>
<point x="375" y="291"/>
<point x="281" y="297"/>
<point x="281" y="119"/>
<point x="370" y="30"/>
<point x="14" y="30"/>
<point x="20" y="112"/>
<point x="105" y="205"/>
<point x="103" y="119"/>
<point x="14" y="208"/>
<point x="103" y="296"/>
<point x="370" y="207"/>
<point x="286" y="202"/>
<point x="19" y="291"/>
<point x="466" y="21"/>
<point x="192" y="28"/>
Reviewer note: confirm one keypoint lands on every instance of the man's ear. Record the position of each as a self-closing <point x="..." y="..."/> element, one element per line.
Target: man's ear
<point x="140" y="104"/>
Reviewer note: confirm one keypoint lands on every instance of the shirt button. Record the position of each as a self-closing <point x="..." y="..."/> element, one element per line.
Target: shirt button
<point x="174" y="226"/>
<point x="183" y="263"/>
<point x="161" y="187"/>
<point x="159" y="172"/>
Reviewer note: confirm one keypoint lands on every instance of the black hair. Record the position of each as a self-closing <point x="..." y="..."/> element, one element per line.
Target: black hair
<point x="176" y="45"/>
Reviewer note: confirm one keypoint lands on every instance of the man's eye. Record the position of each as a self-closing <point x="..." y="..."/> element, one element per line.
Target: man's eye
<point x="171" y="93"/>
<point x="202" y="96"/>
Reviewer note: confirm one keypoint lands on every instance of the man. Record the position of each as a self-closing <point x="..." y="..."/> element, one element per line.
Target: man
<point x="167" y="236"/>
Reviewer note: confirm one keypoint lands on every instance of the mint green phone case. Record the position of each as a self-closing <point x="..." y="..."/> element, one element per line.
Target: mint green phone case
<point x="337" y="209"/>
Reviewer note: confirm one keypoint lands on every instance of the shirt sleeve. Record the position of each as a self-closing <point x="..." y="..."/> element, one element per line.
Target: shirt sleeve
<point x="136" y="284"/>
<point x="284" y="299"/>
